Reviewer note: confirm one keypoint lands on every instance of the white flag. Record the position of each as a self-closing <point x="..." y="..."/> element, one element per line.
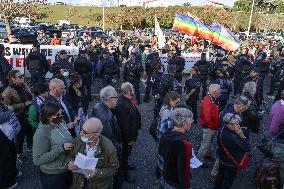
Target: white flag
<point x="159" y="34"/>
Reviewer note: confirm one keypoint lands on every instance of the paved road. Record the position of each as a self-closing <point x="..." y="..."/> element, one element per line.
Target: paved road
<point x="144" y="156"/>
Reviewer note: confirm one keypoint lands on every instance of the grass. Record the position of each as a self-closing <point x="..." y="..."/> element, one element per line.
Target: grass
<point x="81" y="15"/>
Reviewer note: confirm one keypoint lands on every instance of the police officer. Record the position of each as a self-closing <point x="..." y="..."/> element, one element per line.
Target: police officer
<point x="63" y="64"/>
<point x="84" y="68"/>
<point x="155" y="80"/>
<point x="153" y="59"/>
<point x="214" y="67"/>
<point x="261" y="62"/>
<point x="203" y="67"/>
<point x="254" y="76"/>
<point x="5" y="67"/>
<point x="131" y="73"/>
<point x="37" y="64"/>
<point x="192" y="89"/>
<point x="226" y="87"/>
<point x="179" y="63"/>
<point x="168" y="83"/>
<point x="107" y="68"/>
<point x="242" y="69"/>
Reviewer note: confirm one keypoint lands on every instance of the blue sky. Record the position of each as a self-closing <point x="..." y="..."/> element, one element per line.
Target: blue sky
<point x="193" y="2"/>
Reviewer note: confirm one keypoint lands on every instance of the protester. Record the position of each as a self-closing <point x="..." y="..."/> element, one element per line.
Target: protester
<point x="93" y="144"/>
<point x="63" y="64"/>
<point x="209" y="121"/>
<point x="234" y="141"/>
<point x="129" y="121"/>
<point x="52" y="141"/>
<point x="55" y="40"/>
<point x="41" y="93"/>
<point x="8" y="169"/>
<point x="19" y="97"/>
<point x="42" y="38"/>
<point x="176" y="151"/>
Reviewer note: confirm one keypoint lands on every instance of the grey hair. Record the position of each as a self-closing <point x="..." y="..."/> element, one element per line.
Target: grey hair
<point x="250" y="88"/>
<point x="181" y="116"/>
<point x="231" y="118"/>
<point x="213" y="88"/>
<point x="54" y="82"/>
<point x="95" y="124"/>
<point x="107" y="92"/>
<point x="243" y="100"/>
<point x="126" y="87"/>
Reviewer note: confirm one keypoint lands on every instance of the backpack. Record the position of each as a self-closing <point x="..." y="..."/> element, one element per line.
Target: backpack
<point x="267" y="175"/>
<point x="167" y="84"/>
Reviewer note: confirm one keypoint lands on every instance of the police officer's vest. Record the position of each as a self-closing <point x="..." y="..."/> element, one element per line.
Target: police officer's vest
<point x="35" y="65"/>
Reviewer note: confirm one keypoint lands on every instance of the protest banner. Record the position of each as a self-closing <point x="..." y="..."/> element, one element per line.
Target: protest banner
<point x="16" y="54"/>
<point x="190" y="60"/>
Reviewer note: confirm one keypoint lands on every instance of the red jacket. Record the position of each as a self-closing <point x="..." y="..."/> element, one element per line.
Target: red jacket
<point x="209" y="113"/>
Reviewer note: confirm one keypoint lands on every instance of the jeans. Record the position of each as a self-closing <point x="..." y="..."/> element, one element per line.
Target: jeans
<point x="8" y="158"/>
<point x="226" y="176"/>
<point x="205" y="148"/>
<point x="56" y="181"/>
<point x="25" y="132"/>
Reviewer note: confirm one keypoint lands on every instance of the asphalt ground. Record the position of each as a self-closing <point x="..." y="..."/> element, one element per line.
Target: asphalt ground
<point x="144" y="156"/>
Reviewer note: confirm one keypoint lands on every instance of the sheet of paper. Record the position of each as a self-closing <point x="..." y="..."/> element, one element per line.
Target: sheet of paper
<point x="194" y="162"/>
<point x="86" y="163"/>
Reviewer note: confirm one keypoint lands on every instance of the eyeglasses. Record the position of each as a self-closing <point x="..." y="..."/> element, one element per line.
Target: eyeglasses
<point x="85" y="132"/>
<point x="113" y="97"/>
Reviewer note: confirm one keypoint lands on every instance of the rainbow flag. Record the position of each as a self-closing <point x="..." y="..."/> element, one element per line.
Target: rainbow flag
<point x="224" y="37"/>
<point x="203" y="31"/>
<point x="184" y="24"/>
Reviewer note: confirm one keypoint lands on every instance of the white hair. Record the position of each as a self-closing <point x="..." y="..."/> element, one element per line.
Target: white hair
<point x="93" y="124"/>
<point x="54" y="83"/>
<point x="181" y="116"/>
<point x="230" y="118"/>
<point x="250" y="88"/>
<point x="126" y="87"/>
<point x="213" y="88"/>
<point x="107" y="92"/>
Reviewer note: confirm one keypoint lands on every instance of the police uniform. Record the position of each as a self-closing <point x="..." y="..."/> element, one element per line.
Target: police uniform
<point x="131" y="73"/>
<point x="193" y="83"/>
<point x="203" y="67"/>
<point x="179" y="63"/>
<point x="155" y="80"/>
<point x="38" y="66"/>
<point x="226" y="89"/>
<point x="242" y="69"/>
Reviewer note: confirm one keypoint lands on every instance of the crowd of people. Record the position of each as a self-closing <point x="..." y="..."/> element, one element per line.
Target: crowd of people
<point x="223" y="94"/>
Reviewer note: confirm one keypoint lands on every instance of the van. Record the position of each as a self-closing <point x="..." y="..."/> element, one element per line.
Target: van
<point x="62" y="22"/>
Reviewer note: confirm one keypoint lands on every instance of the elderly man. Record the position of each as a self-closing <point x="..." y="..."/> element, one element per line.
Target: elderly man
<point x="209" y="120"/>
<point x="129" y="121"/>
<point x="176" y="150"/>
<point x="56" y="95"/>
<point x="93" y="144"/>
<point x="103" y="111"/>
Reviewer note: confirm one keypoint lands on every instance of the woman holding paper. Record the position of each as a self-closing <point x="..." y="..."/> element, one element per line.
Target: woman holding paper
<point x="52" y="141"/>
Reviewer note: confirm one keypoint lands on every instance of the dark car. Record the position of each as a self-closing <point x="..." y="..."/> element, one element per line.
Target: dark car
<point x="24" y="35"/>
<point x="50" y="30"/>
<point x="95" y="34"/>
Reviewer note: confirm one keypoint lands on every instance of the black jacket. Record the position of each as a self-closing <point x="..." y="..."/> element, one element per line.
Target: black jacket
<point x="83" y="67"/>
<point x="176" y="152"/>
<point x="5" y="67"/>
<point x="235" y="145"/>
<point x="251" y="118"/>
<point x="129" y="119"/>
<point x="37" y="62"/>
<point x="110" y="129"/>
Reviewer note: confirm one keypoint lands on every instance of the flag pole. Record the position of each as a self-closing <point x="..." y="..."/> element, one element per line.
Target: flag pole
<point x="250" y="18"/>
<point x="103" y="17"/>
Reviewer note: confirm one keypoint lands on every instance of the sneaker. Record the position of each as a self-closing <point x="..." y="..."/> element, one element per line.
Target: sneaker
<point x="19" y="174"/>
<point x="13" y="186"/>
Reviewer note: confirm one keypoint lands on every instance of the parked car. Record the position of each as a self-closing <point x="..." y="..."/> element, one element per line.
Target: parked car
<point x="3" y="31"/>
<point x="25" y="36"/>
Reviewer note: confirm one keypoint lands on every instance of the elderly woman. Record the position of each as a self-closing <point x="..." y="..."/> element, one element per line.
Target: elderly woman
<point x="129" y="121"/>
<point x="19" y="97"/>
<point x="251" y="117"/>
<point x="93" y="144"/>
<point x="52" y="141"/>
<point x="234" y="141"/>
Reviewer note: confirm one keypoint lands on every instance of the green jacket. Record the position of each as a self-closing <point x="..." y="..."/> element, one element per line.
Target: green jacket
<point x="48" y="150"/>
<point x="278" y="155"/>
<point x="106" y="167"/>
<point x="33" y="117"/>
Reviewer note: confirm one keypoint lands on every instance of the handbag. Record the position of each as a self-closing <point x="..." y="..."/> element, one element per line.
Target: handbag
<point x="11" y="128"/>
<point x="267" y="144"/>
<point x="244" y="161"/>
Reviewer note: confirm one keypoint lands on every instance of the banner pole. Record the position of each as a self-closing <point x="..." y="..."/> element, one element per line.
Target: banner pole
<point x="250" y="18"/>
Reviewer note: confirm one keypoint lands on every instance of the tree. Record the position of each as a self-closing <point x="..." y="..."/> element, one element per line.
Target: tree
<point x="16" y="8"/>
<point x="243" y="5"/>
<point x="186" y="4"/>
